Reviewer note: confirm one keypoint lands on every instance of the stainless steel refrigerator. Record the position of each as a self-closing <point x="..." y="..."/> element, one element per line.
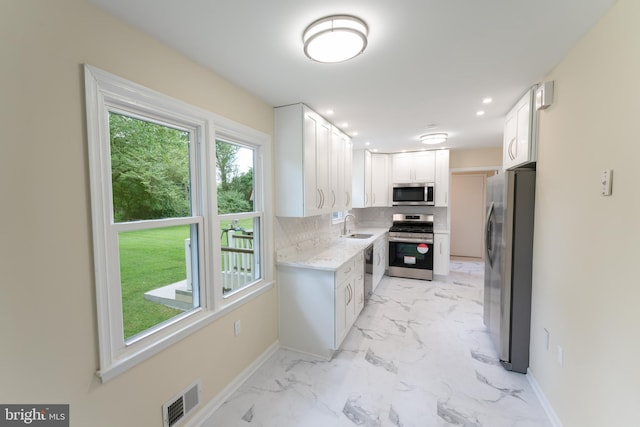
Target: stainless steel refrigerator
<point x="508" y="265"/>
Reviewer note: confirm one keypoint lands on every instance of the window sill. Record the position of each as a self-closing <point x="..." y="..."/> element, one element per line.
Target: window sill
<point x="199" y="321"/>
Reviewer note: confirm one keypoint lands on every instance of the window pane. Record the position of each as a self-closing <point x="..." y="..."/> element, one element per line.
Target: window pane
<point x="158" y="273"/>
<point x="240" y="243"/>
<point x="149" y="170"/>
<point x="337" y="216"/>
<point x="235" y="181"/>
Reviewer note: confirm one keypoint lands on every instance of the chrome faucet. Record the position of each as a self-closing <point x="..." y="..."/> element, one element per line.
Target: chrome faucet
<point x="344" y="226"/>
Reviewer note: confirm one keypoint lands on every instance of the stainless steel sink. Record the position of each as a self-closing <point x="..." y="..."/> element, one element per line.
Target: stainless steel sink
<point x="358" y="236"/>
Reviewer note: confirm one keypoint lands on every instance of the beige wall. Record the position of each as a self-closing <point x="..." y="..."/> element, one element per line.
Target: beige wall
<point x="586" y="281"/>
<point x="48" y="340"/>
<point x="475" y="158"/>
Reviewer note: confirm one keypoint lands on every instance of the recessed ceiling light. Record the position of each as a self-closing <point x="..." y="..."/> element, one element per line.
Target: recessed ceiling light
<point x="354" y="133"/>
<point x="487" y="101"/>
<point x="367" y="143"/>
<point x="329" y="112"/>
<point x="335" y="38"/>
<point x="434" y="138"/>
<point x="345" y="125"/>
<point x="480" y="113"/>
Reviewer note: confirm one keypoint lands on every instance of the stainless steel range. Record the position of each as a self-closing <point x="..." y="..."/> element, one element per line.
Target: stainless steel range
<point x="411" y="246"/>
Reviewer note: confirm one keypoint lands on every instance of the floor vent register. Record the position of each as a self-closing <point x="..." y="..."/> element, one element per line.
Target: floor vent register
<point x="181" y="405"/>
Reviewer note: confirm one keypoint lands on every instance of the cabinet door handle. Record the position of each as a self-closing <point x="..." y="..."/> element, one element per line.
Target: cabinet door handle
<point x="333" y="194"/>
<point x="513" y="148"/>
<point x="348" y="198"/>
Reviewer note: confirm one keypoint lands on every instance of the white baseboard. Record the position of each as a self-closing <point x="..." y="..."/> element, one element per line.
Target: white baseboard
<point x="546" y="405"/>
<point x="207" y="411"/>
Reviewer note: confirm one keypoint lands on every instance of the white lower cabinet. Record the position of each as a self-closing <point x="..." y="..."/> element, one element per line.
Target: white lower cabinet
<point x="318" y="307"/>
<point x="380" y="247"/>
<point x="441" y="254"/>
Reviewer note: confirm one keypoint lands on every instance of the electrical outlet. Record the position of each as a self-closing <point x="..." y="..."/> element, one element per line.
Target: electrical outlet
<point x="605" y="182"/>
<point x="236" y="328"/>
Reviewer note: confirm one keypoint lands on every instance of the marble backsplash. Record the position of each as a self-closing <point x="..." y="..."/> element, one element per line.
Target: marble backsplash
<point x="299" y="234"/>
<point x="305" y="233"/>
<point x="382" y="217"/>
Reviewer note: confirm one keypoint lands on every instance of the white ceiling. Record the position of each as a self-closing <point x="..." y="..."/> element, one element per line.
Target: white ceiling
<point x="428" y="62"/>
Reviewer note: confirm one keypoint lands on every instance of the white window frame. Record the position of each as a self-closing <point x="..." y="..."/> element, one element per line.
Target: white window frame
<point x="258" y="211"/>
<point x="105" y="92"/>
<point x="340" y="218"/>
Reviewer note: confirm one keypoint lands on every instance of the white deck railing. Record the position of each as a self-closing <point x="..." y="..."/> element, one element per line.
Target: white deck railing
<point x="237" y="262"/>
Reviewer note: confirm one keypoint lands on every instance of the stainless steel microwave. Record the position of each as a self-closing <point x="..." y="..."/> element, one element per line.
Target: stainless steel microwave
<point x="414" y="194"/>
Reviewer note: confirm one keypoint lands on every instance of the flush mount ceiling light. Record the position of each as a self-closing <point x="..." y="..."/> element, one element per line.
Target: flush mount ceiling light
<point x="335" y="38"/>
<point x="434" y="138"/>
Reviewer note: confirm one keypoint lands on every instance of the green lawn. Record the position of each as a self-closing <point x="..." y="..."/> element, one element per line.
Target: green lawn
<point x="150" y="259"/>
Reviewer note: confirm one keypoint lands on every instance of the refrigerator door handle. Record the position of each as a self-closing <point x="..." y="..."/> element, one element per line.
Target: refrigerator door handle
<point x="488" y="233"/>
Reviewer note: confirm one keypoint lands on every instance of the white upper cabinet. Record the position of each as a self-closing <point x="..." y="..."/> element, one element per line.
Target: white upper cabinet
<point x="310" y="178"/>
<point x="442" y="178"/>
<point x="340" y="171"/>
<point x="520" y="133"/>
<point x="361" y="179"/>
<point x="370" y="179"/>
<point x="380" y="180"/>
<point x="417" y="166"/>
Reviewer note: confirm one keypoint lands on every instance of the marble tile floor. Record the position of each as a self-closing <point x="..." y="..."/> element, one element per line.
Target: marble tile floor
<point x="417" y="356"/>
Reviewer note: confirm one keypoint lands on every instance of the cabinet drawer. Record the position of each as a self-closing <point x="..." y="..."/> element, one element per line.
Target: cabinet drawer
<point x="345" y="271"/>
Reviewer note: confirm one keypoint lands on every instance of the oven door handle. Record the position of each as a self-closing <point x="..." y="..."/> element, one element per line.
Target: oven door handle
<point x="408" y="240"/>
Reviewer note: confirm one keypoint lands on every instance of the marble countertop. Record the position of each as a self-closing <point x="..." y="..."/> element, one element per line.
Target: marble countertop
<point x="331" y="255"/>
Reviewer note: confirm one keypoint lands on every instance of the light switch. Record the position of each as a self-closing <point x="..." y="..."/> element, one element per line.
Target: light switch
<point x="605" y="182"/>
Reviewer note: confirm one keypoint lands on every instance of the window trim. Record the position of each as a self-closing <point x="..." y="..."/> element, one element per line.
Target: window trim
<point x="106" y="92"/>
<point x="340" y="219"/>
